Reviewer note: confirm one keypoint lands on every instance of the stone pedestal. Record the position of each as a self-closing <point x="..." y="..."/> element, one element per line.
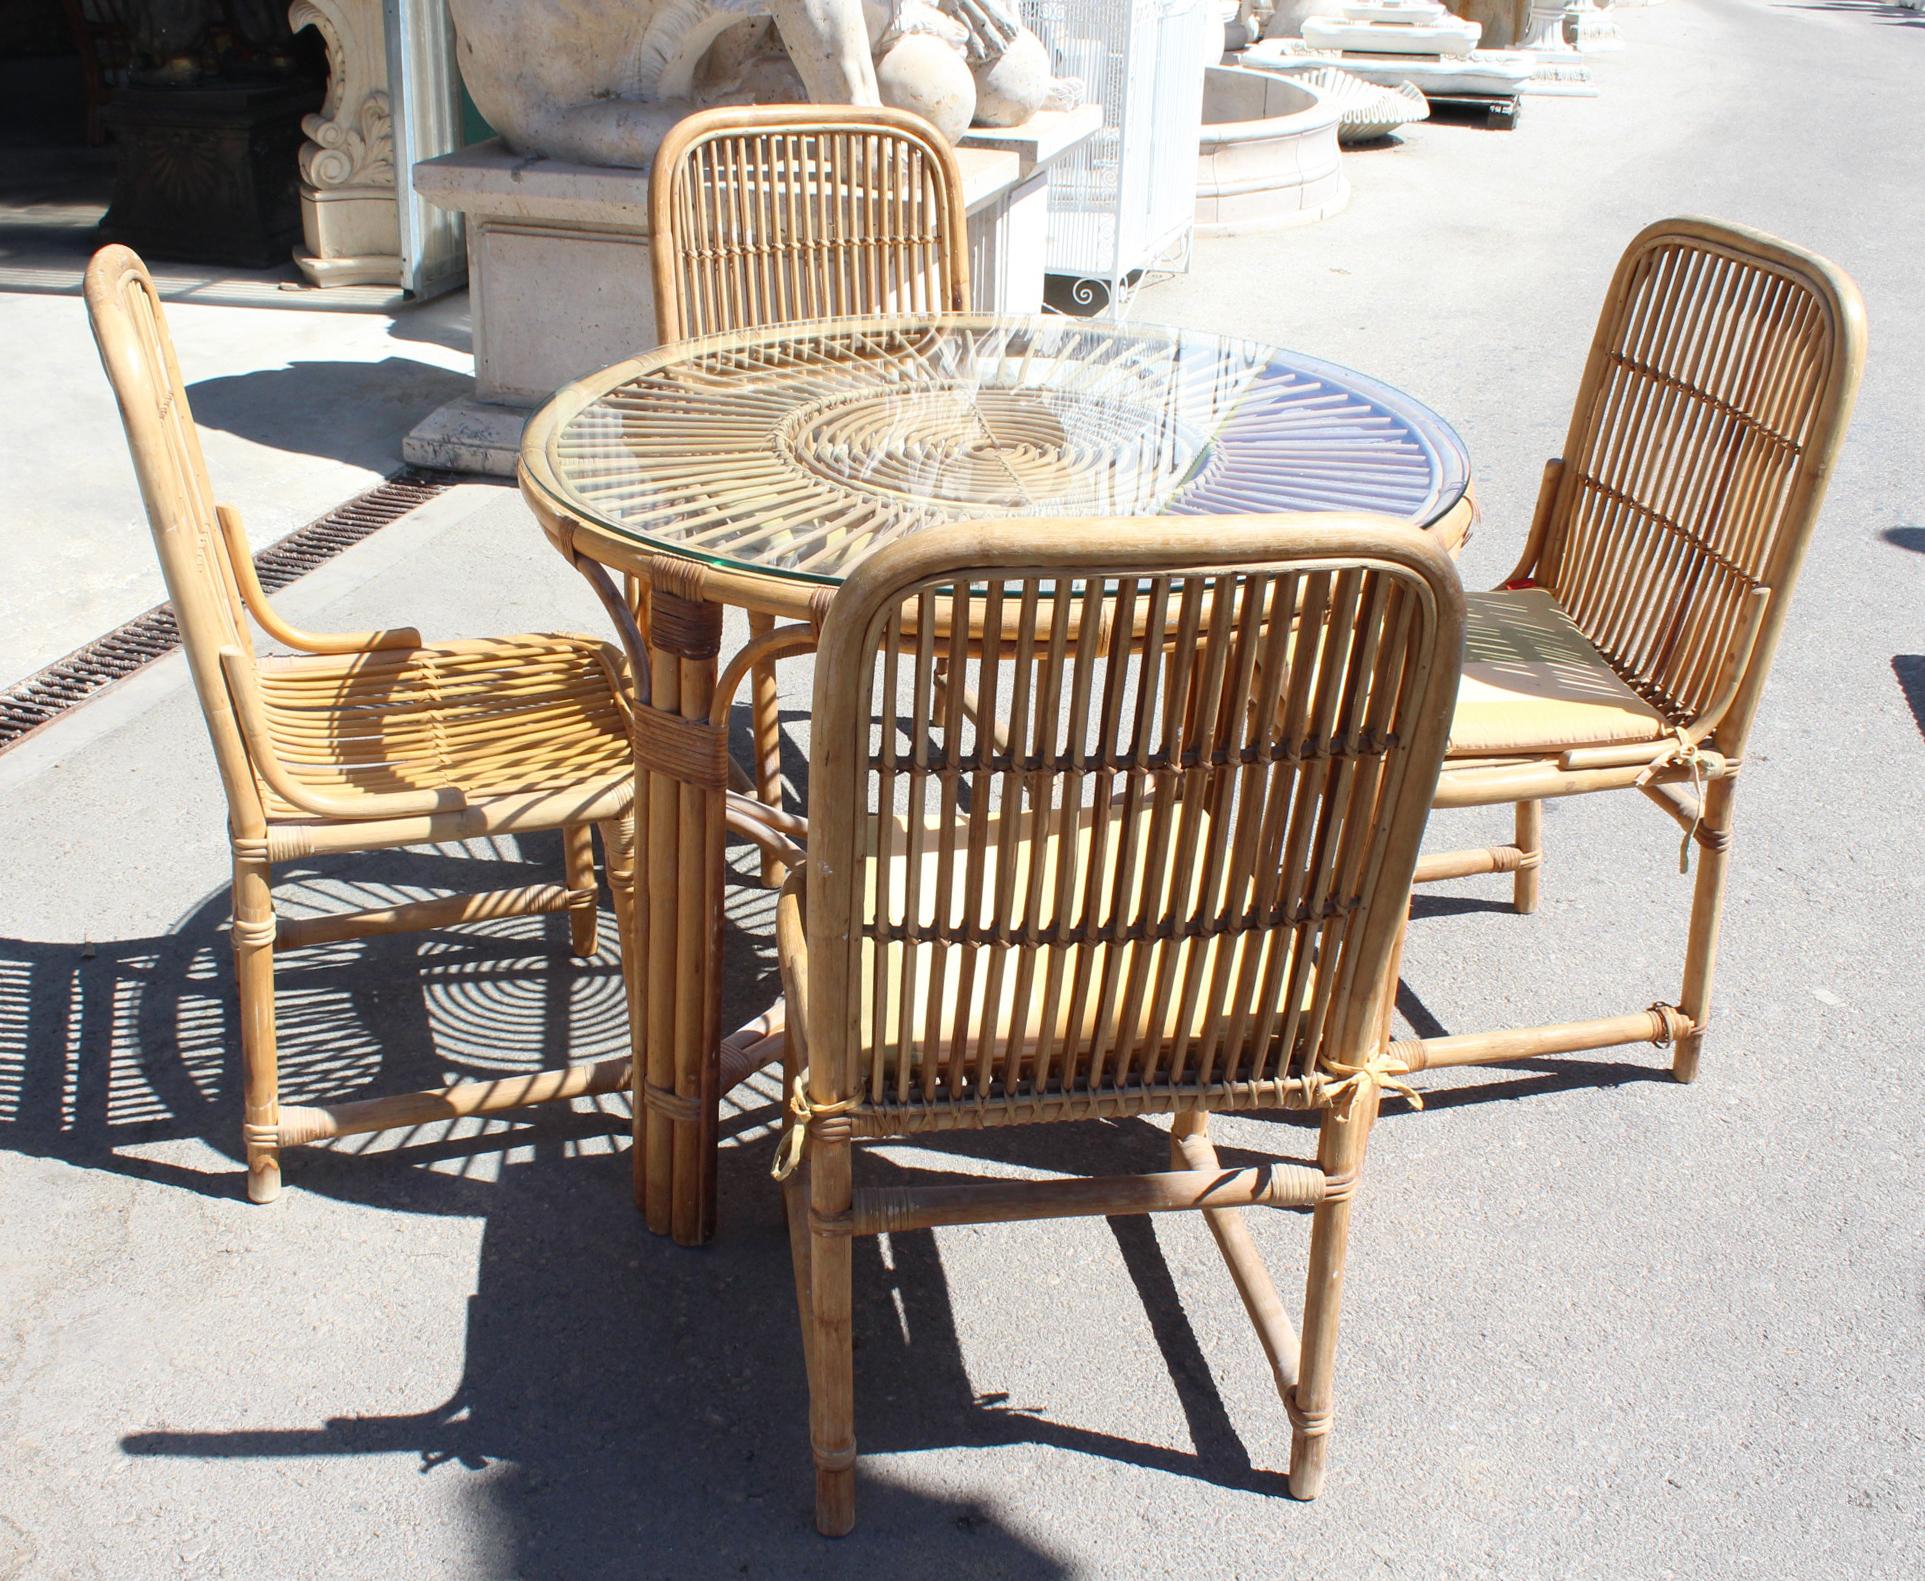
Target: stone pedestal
<point x="1391" y="28"/>
<point x="1482" y="74"/>
<point x="350" y="227"/>
<point x="349" y="236"/>
<point x="1500" y="20"/>
<point x="205" y="174"/>
<point x="1591" y="27"/>
<point x="1009" y="204"/>
<point x="1561" y="71"/>
<point x="560" y="281"/>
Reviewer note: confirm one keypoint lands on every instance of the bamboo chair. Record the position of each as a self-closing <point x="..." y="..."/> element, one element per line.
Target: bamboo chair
<point x="1630" y="647"/>
<point x="766" y="214"/>
<point x="1179" y="890"/>
<point x="778" y="213"/>
<point x="369" y="740"/>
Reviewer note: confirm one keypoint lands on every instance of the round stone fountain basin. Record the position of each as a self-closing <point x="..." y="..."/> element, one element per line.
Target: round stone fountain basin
<point x="1268" y="155"/>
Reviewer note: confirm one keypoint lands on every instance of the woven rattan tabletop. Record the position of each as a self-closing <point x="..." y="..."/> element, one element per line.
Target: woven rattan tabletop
<point x="793" y="452"/>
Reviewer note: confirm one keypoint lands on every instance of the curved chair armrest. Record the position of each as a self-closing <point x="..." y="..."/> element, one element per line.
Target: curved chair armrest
<point x="780" y="643"/>
<point x="241" y="557"/>
<point x="777" y="834"/>
<point x="251" y="714"/>
<point x="614" y="665"/>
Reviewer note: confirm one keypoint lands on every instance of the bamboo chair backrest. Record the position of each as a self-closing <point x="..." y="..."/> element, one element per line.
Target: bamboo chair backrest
<point x="1241" y="762"/>
<point x="138" y="355"/>
<point x="1719" y="384"/>
<point x="770" y="214"/>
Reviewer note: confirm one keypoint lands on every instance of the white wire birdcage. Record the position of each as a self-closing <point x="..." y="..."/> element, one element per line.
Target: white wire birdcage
<point x="1125" y="202"/>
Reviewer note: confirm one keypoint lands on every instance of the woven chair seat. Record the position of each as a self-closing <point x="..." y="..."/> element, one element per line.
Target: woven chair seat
<point x="1533" y="683"/>
<point x="498" y="719"/>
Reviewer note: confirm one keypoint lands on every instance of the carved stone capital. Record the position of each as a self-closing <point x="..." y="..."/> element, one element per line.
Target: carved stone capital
<point x="357" y="153"/>
<point x="351" y="141"/>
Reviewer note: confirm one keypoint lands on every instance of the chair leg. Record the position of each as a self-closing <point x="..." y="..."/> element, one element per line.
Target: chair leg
<point x="618" y="855"/>
<point x="260" y="1070"/>
<point x="1530" y="855"/>
<point x="832" y="1404"/>
<point x="1340" y="1151"/>
<point x="578" y="863"/>
<point x="795" y="1209"/>
<point x="765" y="721"/>
<point x="1190" y="1148"/>
<point x="1707" y="914"/>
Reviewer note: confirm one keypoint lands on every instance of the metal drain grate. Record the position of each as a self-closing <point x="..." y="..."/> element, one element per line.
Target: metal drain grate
<point x="47" y="694"/>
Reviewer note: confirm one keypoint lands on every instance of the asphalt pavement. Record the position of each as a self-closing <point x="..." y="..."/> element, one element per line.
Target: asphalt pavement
<point x="1596" y="1323"/>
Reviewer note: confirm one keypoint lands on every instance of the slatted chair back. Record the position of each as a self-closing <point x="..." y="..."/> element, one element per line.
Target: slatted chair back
<point x="771" y="214"/>
<point x="1717" y="392"/>
<point x="1175" y="882"/>
<point x="138" y="354"/>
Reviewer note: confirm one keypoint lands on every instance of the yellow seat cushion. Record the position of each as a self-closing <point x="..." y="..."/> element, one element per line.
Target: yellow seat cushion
<point x="1533" y="683"/>
<point x="965" y="978"/>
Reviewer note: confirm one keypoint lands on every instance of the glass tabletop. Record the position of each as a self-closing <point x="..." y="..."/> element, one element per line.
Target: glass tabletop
<point x="795" y="452"/>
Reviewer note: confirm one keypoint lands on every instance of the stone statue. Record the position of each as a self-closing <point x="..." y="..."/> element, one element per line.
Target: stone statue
<point x="1502" y="20"/>
<point x="177" y="41"/>
<point x="168" y="38"/>
<point x="600" y="82"/>
<point x="1288" y="16"/>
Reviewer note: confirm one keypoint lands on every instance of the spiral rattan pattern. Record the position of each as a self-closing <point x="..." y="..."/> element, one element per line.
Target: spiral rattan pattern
<point x="797" y="452"/>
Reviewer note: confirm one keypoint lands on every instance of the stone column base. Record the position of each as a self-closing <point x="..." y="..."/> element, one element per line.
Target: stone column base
<point x="470" y="435"/>
<point x="1591" y="28"/>
<point x="349" y="236"/>
<point x="1561" y="72"/>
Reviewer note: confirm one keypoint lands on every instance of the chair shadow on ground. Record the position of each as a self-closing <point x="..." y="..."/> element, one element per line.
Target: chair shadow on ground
<point x="611" y="1424"/>
<point x="1909" y="668"/>
<point x="1873" y="10"/>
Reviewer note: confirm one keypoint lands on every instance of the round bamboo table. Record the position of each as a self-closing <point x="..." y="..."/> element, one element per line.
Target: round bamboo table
<point x="759" y="469"/>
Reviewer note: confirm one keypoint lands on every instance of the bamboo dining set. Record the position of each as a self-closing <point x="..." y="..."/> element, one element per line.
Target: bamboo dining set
<point x="1140" y="663"/>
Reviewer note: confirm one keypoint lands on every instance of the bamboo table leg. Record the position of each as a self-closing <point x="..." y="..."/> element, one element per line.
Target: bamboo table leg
<point x="681" y="788"/>
<point x="680" y="882"/>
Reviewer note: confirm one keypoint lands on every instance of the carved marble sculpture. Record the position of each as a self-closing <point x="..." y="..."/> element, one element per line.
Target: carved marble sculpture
<point x="1370" y="111"/>
<point x="1287" y="19"/>
<point x="350" y="228"/>
<point x="1560" y="67"/>
<point x="1393" y="27"/>
<point x="184" y="41"/>
<point x="1365" y="30"/>
<point x="600" y="82"/>
<point x="167" y="38"/>
<point x="1501" y="20"/>
<point x="1242" y="25"/>
<point x="1590" y="26"/>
